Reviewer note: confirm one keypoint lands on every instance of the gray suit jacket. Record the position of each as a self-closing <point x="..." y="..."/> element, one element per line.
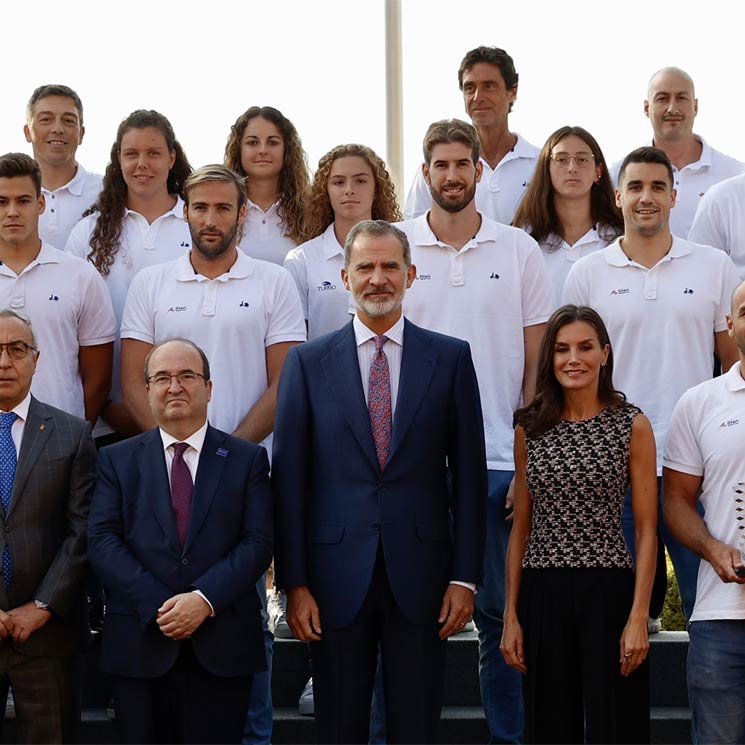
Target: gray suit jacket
<point x="45" y="527"/>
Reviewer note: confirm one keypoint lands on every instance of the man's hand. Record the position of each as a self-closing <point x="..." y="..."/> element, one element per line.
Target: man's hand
<point x="725" y="560"/>
<point x="6" y="624"/>
<point x="509" y="502"/>
<point x="26" y="619"/>
<point x="180" y="616"/>
<point x="302" y="615"/>
<point x="456" y="610"/>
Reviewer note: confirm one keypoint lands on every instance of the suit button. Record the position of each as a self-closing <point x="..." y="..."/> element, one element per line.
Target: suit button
<point x="184" y="561"/>
<point x="8" y="529"/>
<point x="376" y="526"/>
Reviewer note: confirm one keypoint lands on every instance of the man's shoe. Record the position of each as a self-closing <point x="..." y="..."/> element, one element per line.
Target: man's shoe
<point x="654" y="626"/>
<point x="277" y="609"/>
<point x="305" y="705"/>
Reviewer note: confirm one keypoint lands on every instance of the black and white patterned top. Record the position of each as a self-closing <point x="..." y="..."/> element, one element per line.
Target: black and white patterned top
<point x="577" y="476"/>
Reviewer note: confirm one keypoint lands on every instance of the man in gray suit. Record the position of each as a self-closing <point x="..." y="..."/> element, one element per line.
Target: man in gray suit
<point x="47" y="470"/>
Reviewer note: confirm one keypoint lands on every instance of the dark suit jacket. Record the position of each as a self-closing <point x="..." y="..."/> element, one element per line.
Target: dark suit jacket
<point x="45" y="527"/>
<point x="134" y="548"/>
<point x="333" y="504"/>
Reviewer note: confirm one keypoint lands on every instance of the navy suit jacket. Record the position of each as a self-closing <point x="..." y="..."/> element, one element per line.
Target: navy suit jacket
<point x="333" y="504"/>
<point x="134" y="548"/>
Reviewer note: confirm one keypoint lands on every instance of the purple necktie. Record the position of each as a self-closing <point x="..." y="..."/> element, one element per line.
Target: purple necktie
<point x="379" y="402"/>
<point x="182" y="488"/>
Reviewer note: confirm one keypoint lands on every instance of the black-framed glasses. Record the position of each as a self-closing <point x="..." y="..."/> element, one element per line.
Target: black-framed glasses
<point x="185" y="378"/>
<point x="17" y="350"/>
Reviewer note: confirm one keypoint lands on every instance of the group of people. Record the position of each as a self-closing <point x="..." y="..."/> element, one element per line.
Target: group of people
<point x="448" y="434"/>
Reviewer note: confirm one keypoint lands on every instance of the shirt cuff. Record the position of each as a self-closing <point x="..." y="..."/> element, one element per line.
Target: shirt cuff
<point x="204" y="597"/>
<point x="469" y="585"/>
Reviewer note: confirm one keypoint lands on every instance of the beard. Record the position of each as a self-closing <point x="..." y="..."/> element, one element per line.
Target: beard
<point x="453" y="205"/>
<point x="213" y="250"/>
<point x="380" y="306"/>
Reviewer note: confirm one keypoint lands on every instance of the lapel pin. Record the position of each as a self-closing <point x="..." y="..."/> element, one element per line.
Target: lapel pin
<point x="42" y="427"/>
<point x="222" y="452"/>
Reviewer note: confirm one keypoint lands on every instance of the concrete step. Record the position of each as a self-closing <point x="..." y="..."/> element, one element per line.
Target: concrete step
<point x="95" y="727"/>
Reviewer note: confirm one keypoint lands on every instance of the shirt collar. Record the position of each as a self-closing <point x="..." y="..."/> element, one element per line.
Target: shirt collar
<point x="363" y="334"/>
<point x="274" y="209"/>
<point x="424" y="236"/>
<point x="21" y="409"/>
<point x="703" y="162"/>
<point x="331" y="245"/>
<point x="74" y="185"/>
<point x="733" y="380"/>
<point x="195" y="440"/>
<point x="615" y="256"/>
<point x="183" y="270"/>
<point x="176" y="211"/>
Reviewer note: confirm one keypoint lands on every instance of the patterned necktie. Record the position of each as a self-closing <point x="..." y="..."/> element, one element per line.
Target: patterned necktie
<point x="8" y="461"/>
<point x="182" y="488"/>
<point x="379" y="402"/>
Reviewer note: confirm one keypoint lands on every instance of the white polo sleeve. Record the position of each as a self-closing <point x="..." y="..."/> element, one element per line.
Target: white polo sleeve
<point x="729" y="282"/>
<point x="682" y="451"/>
<point x="296" y="264"/>
<point x="419" y="198"/>
<point x="537" y="289"/>
<point x="138" y="320"/>
<point x="576" y="291"/>
<point x="286" y="321"/>
<point x="97" y="323"/>
<point x="78" y="243"/>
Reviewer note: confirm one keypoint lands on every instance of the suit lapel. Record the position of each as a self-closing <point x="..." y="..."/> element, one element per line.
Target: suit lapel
<point x="417" y="366"/>
<point x="209" y="473"/>
<point x="39" y="426"/>
<point x="154" y="475"/>
<point x="342" y="370"/>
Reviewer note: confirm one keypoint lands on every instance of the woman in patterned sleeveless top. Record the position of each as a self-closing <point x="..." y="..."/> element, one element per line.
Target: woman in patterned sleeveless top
<point x="575" y="620"/>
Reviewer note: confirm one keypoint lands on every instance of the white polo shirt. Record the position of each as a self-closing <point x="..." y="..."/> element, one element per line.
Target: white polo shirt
<point x="692" y="182"/>
<point x="720" y="220"/>
<point x="707" y="438"/>
<point x="316" y="268"/>
<point x="560" y="256"/>
<point x="661" y="321"/>
<point x="65" y="206"/>
<point x="233" y="318"/>
<point x="69" y="307"/>
<point x="486" y="293"/>
<point x="262" y="234"/>
<point x="499" y="191"/>
<point x="141" y="244"/>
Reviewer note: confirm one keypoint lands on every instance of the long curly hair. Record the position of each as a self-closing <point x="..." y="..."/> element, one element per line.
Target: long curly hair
<point x="384" y="206"/>
<point x="544" y="411"/>
<point x="112" y="200"/>
<point x="537" y="210"/>
<point x="294" y="182"/>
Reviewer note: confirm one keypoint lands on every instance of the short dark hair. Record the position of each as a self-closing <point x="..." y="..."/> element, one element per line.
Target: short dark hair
<point x="215" y="173"/>
<point x="10" y="313"/>
<point x="378" y="228"/>
<point x="493" y="56"/>
<point x="17" y="165"/>
<point x="647" y="155"/>
<point x="53" y="89"/>
<point x="188" y="342"/>
<point x="451" y="130"/>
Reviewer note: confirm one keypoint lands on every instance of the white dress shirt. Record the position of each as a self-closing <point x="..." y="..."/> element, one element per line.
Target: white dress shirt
<point x="19" y="425"/>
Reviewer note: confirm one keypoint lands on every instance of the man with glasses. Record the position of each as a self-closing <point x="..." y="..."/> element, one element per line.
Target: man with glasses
<point x="183" y="634"/>
<point x="671" y="107"/>
<point x="47" y="470"/>
<point x="64" y="297"/>
<point x="488" y="80"/>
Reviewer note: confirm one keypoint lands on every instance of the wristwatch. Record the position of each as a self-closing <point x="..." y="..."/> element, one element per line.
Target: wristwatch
<point x="41" y="604"/>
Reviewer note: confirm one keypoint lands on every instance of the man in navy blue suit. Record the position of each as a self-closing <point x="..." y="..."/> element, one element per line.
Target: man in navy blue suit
<point x="380" y="490"/>
<point x="179" y="533"/>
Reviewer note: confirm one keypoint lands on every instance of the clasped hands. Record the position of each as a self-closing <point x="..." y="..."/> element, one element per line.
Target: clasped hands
<point x="19" y="623"/>
<point x="180" y="616"/>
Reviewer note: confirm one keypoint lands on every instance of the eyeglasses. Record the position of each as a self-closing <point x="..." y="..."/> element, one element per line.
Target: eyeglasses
<point x="17" y="350"/>
<point x="581" y="160"/>
<point x="185" y="378"/>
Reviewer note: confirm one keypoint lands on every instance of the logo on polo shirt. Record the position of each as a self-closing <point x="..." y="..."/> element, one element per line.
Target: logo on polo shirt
<point x="54" y="297"/>
<point x="494" y="275"/>
<point x="424" y="276"/>
<point x="688" y="291"/>
<point x="620" y="291"/>
<point x="177" y="309"/>
<point x="729" y="423"/>
<point x="185" y="244"/>
<point x="326" y="285"/>
<point x="243" y="304"/>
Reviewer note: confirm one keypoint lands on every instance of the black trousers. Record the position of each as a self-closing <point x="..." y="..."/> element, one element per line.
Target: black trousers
<point x="186" y="705"/>
<point x="572" y="621"/>
<point x="344" y="664"/>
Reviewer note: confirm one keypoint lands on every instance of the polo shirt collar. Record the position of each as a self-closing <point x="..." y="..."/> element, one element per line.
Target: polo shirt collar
<point x="615" y="256"/>
<point x="177" y="210"/>
<point x="183" y="270"/>
<point x="424" y="236"/>
<point x="703" y="162"/>
<point x="75" y="184"/>
<point x="331" y="246"/>
<point x="733" y="380"/>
